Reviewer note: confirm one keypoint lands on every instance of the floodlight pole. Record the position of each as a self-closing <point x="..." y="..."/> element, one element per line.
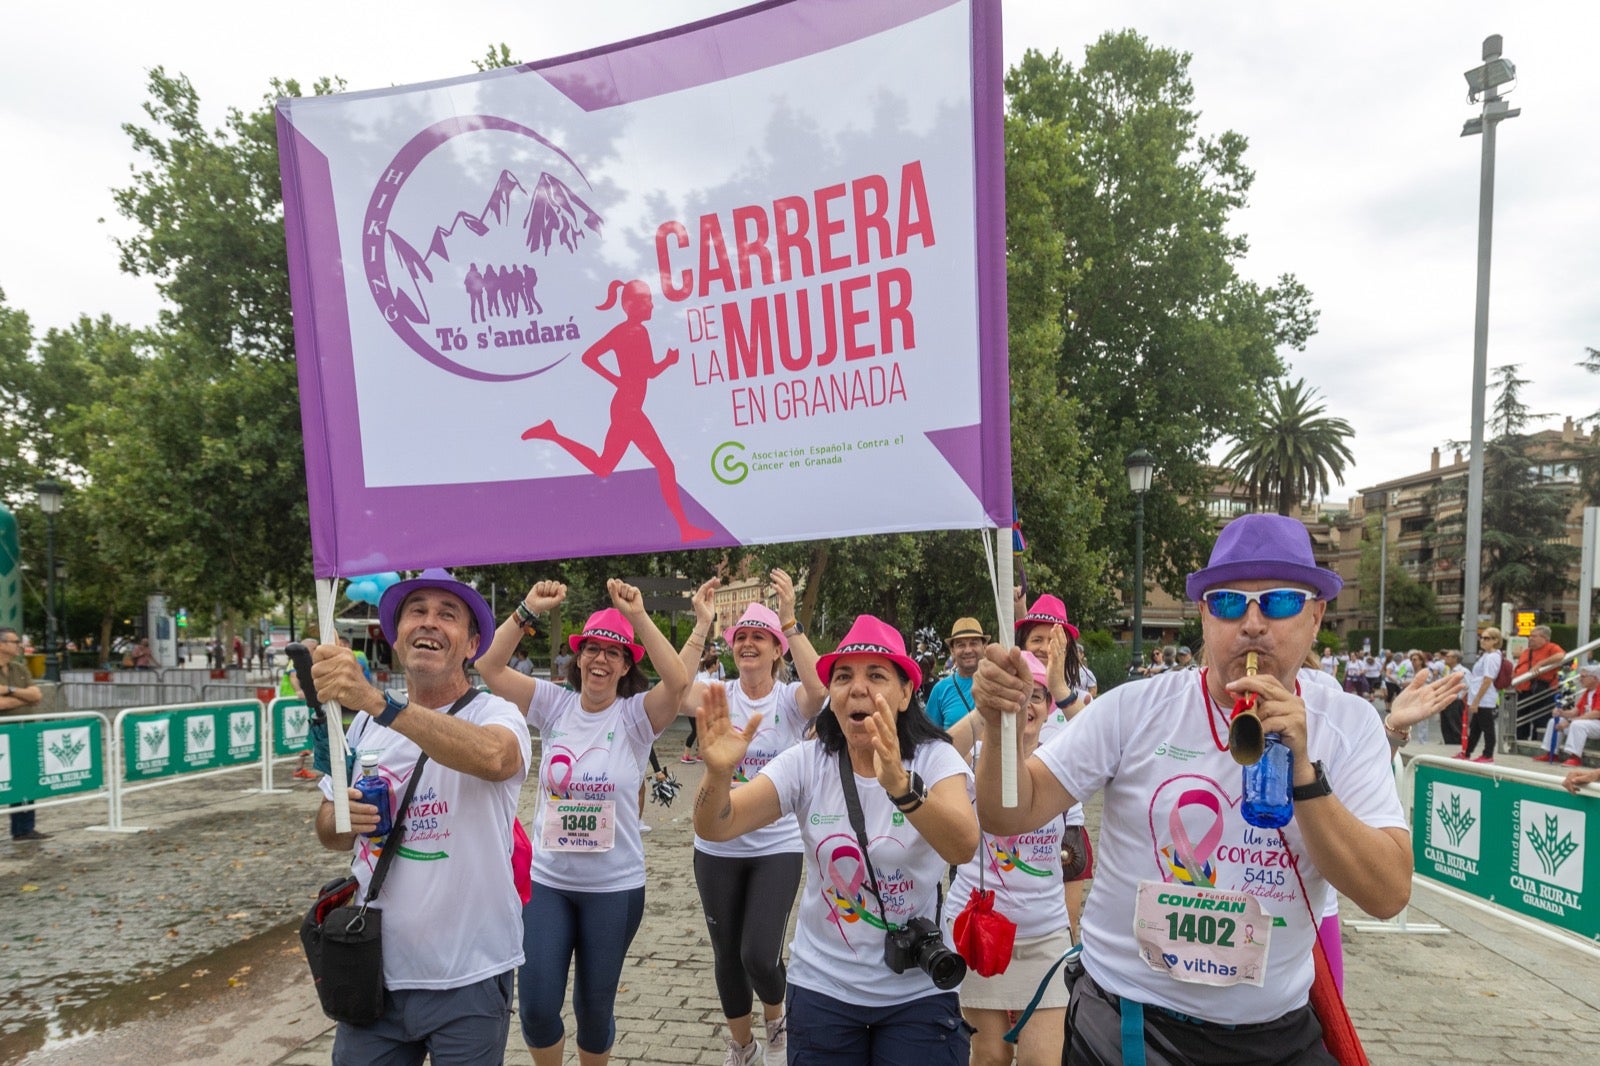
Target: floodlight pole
<point x="1495" y="111"/>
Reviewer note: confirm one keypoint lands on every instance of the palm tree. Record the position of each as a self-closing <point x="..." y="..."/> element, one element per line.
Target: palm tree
<point x="1294" y="450"/>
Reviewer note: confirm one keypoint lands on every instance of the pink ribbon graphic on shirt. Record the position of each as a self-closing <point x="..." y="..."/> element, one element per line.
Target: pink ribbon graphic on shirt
<point x="1193" y="865"/>
<point x="558" y="786"/>
<point x="846" y="874"/>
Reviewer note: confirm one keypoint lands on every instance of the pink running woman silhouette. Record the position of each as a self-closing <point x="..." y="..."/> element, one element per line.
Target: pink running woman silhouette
<point x="636" y="366"/>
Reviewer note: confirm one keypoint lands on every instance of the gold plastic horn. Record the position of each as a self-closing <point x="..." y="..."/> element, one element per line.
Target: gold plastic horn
<point x="1246" y="741"/>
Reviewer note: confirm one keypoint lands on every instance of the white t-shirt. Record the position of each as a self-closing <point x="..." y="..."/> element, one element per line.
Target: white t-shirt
<point x="838" y="940"/>
<point x="1024" y="872"/>
<point x="600" y="756"/>
<point x="1330" y="665"/>
<point x="452" y="916"/>
<point x="1057" y="719"/>
<point x="1309" y="676"/>
<point x="1154" y="749"/>
<point x="781" y="728"/>
<point x="1487" y="666"/>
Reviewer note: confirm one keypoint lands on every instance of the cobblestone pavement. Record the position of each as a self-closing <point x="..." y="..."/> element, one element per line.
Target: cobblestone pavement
<point x="188" y="954"/>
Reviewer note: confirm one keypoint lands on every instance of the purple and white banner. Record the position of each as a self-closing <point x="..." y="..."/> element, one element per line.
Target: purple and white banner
<point x="739" y="282"/>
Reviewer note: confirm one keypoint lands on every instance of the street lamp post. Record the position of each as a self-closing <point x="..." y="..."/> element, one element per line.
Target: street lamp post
<point x="50" y="493"/>
<point x="1141" y="465"/>
<point x="1484" y="82"/>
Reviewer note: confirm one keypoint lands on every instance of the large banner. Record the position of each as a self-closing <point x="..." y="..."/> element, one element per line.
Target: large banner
<point x="1532" y="849"/>
<point x="738" y="282"/>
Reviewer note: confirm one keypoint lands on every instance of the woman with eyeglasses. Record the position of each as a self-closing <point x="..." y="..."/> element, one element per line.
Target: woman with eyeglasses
<point x="588" y="855"/>
<point x="884" y="807"/>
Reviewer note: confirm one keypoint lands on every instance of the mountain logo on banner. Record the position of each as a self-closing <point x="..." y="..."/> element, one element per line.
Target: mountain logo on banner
<point x="473" y="279"/>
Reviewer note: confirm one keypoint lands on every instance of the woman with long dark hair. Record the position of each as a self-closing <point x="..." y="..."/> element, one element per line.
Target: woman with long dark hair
<point x="884" y="804"/>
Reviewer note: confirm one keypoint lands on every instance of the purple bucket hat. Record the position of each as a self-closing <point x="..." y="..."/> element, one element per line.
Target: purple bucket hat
<point x="394" y="597"/>
<point x="1269" y="547"/>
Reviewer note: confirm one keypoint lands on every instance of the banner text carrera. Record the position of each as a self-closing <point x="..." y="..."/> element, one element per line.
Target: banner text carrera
<point x="865" y="314"/>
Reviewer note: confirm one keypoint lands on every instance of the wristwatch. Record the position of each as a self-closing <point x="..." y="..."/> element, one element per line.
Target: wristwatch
<point x="916" y="792"/>
<point x="1317" y="788"/>
<point x="391" y="709"/>
<point x="796" y="630"/>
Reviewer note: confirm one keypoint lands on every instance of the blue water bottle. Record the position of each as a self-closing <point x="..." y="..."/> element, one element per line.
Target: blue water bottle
<point x="1268" y="801"/>
<point x="375" y="790"/>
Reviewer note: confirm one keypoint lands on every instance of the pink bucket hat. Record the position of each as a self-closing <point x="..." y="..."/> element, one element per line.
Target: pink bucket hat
<point x="610" y="626"/>
<point x="758" y="616"/>
<point x="1049" y="610"/>
<point x="872" y="636"/>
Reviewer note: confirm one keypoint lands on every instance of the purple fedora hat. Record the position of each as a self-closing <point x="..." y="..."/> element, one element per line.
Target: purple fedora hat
<point x="394" y="597"/>
<point x="1269" y="547"/>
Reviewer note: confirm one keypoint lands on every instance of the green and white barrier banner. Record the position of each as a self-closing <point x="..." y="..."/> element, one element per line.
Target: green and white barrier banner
<point x="46" y="758"/>
<point x="291" y="726"/>
<point x="187" y="739"/>
<point x="1528" y="848"/>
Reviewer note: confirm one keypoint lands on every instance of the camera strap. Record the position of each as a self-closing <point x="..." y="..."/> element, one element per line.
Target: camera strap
<point x="858" y="822"/>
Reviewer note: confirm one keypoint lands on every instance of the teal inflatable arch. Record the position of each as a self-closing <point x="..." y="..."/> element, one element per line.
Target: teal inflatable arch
<point x="10" y="572"/>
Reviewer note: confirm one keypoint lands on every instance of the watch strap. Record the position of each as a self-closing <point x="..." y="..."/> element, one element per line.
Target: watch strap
<point x="1318" y="787"/>
<point x="916" y="792"/>
<point x="391" y="709"/>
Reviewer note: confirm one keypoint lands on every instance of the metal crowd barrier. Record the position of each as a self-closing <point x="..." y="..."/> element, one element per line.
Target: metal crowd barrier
<point x="47" y="760"/>
<point x="110" y="695"/>
<point x="172" y="743"/>
<point x="1511" y="842"/>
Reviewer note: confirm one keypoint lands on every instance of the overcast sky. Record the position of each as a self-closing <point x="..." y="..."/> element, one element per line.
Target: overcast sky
<point x="1364" y="188"/>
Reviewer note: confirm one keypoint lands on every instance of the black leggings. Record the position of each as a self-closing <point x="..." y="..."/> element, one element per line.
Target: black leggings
<point x="746" y="902"/>
<point x="1482" y="724"/>
<point x="694" y="726"/>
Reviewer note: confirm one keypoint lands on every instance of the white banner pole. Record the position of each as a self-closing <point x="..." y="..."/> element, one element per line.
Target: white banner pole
<point x="327" y="598"/>
<point x="1001" y="574"/>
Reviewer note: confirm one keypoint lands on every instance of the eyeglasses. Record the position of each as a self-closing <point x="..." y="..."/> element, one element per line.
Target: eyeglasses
<point x="1231" y="604"/>
<point x="1038" y="695"/>
<point x="609" y="652"/>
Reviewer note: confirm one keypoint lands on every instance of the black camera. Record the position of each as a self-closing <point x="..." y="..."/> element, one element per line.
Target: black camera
<point x="919" y="944"/>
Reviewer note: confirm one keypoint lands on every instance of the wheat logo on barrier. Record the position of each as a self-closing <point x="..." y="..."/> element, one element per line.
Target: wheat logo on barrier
<point x="61" y="749"/>
<point x="1455" y="820"/>
<point x="67" y="750"/>
<point x="155" y="739"/>
<point x="1550" y="845"/>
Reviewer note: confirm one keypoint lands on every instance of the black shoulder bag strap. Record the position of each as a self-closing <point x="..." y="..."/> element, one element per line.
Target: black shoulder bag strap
<point x="391" y="843"/>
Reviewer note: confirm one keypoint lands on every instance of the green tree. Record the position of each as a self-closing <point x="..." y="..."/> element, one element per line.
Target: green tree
<point x="202" y="449"/>
<point x="1525" y="557"/>
<point x="1292" y="452"/>
<point x="1162" y="341"/>
<point x="1406" y="601"/>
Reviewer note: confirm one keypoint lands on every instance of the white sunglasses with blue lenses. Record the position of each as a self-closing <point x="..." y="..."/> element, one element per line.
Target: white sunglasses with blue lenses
<point x="1231" y="604"/>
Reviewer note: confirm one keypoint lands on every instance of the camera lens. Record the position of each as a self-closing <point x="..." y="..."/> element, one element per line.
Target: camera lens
<point x="945" y="967"/>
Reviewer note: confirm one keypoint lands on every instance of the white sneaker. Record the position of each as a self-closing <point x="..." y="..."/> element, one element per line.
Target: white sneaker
<point x="644" y="827"/>
<point x="741" y="1056"/>
<point x="777" y="1043"/>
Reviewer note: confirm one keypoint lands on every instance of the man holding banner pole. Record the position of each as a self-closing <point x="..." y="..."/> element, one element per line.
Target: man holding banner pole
<point x="1199" y="937"/>
<point x="452" y="926"/>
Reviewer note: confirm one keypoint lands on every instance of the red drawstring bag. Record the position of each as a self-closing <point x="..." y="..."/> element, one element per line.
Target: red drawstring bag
<point x="984" y="936"/>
